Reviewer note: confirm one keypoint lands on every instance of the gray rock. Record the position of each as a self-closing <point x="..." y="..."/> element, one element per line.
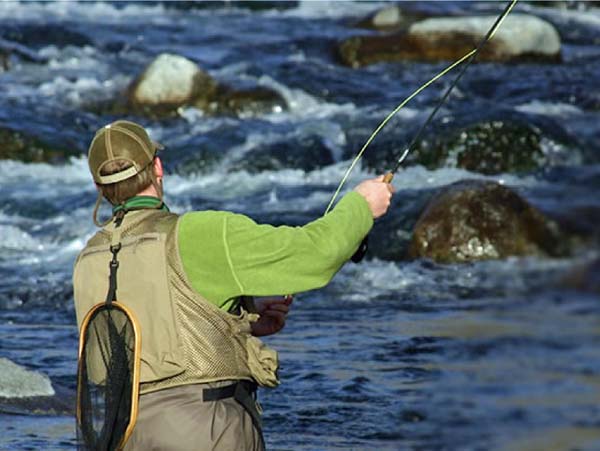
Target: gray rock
<point x="19" y="382"/>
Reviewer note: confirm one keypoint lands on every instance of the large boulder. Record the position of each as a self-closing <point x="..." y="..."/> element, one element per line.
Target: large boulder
<point x="481" y="220"/>
<point x="520" y="38"/>
<point x="172" y="81"/>
<point x="16" y="145"/>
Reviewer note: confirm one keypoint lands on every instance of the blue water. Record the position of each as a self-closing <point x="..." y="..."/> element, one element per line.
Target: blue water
<point x="393" y="354"/>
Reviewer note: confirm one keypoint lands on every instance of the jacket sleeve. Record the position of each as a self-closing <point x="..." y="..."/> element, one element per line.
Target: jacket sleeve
<point x="269" y="260"/>
<point x="226" y="255"/>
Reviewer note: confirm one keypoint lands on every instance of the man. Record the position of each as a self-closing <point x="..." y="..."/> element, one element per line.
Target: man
<point x="189" y="279"/>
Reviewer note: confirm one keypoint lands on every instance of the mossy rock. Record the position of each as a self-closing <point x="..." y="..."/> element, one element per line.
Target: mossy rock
<point x="499" y="142"/>
<point x="490" y="147"/>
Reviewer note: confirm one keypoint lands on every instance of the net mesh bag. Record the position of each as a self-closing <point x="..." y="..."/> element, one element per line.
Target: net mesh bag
<point x="108" y="376"/>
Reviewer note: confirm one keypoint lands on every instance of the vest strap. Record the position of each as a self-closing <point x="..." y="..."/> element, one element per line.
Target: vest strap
<point x="115" y="247"/>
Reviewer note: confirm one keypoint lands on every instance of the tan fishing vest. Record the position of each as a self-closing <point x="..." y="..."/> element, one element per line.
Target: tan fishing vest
<point x="185" y="338"/>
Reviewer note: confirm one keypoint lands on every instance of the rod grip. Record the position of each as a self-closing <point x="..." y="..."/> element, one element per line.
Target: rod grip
<point x="361" y="251"/>
<point x="388" y="177"/>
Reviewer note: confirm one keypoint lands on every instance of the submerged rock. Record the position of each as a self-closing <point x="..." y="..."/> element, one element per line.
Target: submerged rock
<point x="9" y="49"/>
<point x="520" y="38"/>
<point x="480" y="220"/>
<point x="42" y="35"/>
<point x="583" y="277"/>
<point x="307" y="153"/>
<point x="15" y="145"/>
<point x="172" y="81"/>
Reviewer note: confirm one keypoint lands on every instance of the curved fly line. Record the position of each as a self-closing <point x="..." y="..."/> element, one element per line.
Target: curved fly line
<point x="469" y="57"/>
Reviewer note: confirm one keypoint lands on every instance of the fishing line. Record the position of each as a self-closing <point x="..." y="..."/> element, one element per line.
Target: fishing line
<point x="469" y="57"/>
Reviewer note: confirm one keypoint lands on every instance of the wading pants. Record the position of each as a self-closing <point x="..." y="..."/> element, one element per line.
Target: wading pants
<point x="181" y="419"/>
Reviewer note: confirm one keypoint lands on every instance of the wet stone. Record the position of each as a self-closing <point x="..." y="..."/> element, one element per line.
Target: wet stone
<point x="480" y="220"/>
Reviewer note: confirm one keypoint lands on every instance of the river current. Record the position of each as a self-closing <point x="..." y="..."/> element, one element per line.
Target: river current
<point x="392" y="355"/>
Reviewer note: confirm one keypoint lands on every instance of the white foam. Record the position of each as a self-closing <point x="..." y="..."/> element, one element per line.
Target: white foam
<point x="302" y="105"/>
<point x="73" y="58"/>
<point x="590" y="16"/>
<point x="73" y="173"/>
<point x="237" y="183"/>
<point x="557" y="109"/>
<point x="13" y="238"/>
<point x="419" y="177"/>
<point x="18" y="382"/>
<point x="365" y="283"/>
<point x="308" y="9"/>
<point x="41" y="12"/>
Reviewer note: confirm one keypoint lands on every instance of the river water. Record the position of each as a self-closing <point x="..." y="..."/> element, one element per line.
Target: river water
<point x="393" y="354"/>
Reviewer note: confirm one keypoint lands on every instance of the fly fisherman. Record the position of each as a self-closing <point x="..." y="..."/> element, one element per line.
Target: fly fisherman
<point x="189" y="280"/>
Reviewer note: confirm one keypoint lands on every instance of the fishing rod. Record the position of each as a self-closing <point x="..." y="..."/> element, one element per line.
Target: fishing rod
<point x="389" y="176"/>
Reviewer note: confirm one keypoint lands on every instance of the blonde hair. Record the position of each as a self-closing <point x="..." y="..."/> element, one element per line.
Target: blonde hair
<point x="118" y="193"/>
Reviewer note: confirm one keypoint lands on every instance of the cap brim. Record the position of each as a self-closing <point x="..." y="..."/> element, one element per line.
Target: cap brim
<point x="157" y="145"/>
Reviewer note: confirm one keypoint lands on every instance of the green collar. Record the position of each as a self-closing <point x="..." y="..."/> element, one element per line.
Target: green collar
<point x="140" y="203"/>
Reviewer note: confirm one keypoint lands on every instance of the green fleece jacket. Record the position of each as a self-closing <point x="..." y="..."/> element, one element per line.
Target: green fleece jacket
<point x="227" y="255"/>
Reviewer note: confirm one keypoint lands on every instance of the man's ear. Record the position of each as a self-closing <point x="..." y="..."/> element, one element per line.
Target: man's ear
<point x="158" y="168"/>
